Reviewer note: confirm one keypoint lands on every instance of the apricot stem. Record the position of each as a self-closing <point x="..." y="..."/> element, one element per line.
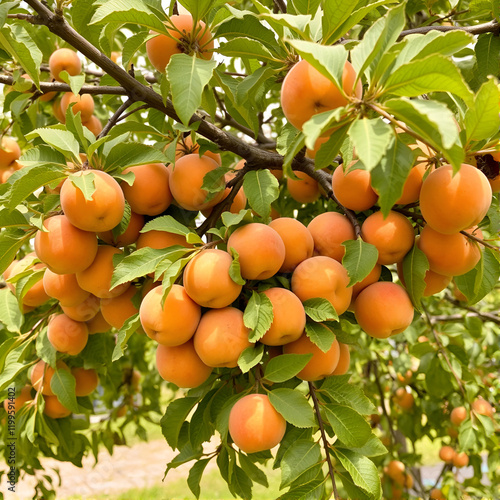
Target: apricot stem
<point x="480" y="241"/>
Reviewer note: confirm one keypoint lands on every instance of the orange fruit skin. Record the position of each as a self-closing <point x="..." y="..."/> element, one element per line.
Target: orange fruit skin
<point x="306" y="92"/>
<point x="86" y="381"/>
<point x="482" y="407"/>
<point x="447" y="454"/>
<point x="150" y="193"/>
<point x="325" y="278"/>
<point x="353" y="188"/>
<point x="55" y="409"/>
<point x="393" y="236"/>
<point x="260" y="248"/>
<point x="116" y="310"/>
<point x="329" y="230"/>
<point x="383" y="309"/>
<point x="43" y="373"/>
<point x="299" y="243"/>
<point x="175" y="322"/>
<point x="162" y="47"/>
<point x="221" y="337"/>
<point x="254" y="424"/>
<point x="206" y="279"/>
<point x="103" y="212"/>
<point x="321" y="365"/>
<point x="185" y="147"/>
<point x="303" y="190"/>
<point x="22" y="396"/>
<point x="84" y="311"/>
<point x="344" y="360"/>
<point x="64" y="288"/>
<point x="9" y="152"/>
<point x="395" y="470"/>
<point x="461" y="460"/>
<point x="98" y="324"/>
<point x="404" y="399"/>
<point x="373" y="277"/>
<point x="289" y="318"/>
<point x="36" y="295"/>
<point x="181" y="365"/>
<point x="64" y="60"/>
<point x="64" y="248"/>
<point x="67" y="335"/>
<point x="161" y="239"/>
<point x="436" y="494"/>
<point x="83" y="103"/>
<point x="434" y="282"/>
<point x="129" y="236"/>
<point x="450" y="203"/>
<point x="413" y="185"/>
<point x="94" y="125"/>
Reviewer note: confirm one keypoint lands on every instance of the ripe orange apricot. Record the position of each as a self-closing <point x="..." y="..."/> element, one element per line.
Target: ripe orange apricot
<point x="36" y="295"/>
<point x="116" y="310"/>
<point x="321" y="365"/>
<point x="396" y="470"/>
<point x="64" y="288"/>
<point x="482" y="407"/>
<point x="175" y="322"/>
<point x="289" y="318"/>
<point x="9" y="152"/>
<point x="404" y="399"/>
<point x="54" y="408"/>
<point x="413" y="184"/>
<point x="449" y="254"/>
<point x="372" y="277"/>
<point x="306" y="92"/>
<point x="181" y="365"/>
<point x="184" y="38"/>
<point x="450" y="203"/>
<point x="325" y="278"/>
<point x="67" y="335"/>
<point x="383" y="309"/>
<point x="42" y="373"/>
<point x="344" y="360"/>
<point x="461" y="460"/>
<point x="129" y="236"/>
<point x="299" y="243"/>
<point x="260" y="248"/>
<point x="186" y="182"/>
<point x="254" y="424"/>
<point x="447" y="454"/>
<point x="64" y="248"/>
<point x="58" y="112"/>
<point x="436" y="494"/>
<point x="207" y="281"/>
<point x="85" y="310"/>
<point x="150" y="193"/>
<point x="22" y="396"/>
<point x="353" y="188"/>
<point x="82" y="103"/>
<point x="103" y="212"/>
<point x="161" y="239"/>
<point x="221" y="337"/>
<point x="305" y="189"/>
<point x="94" y="125"/>
<point x="86" y="381"/>
<point x="64" y="60"/>
<point x="98" y="324"/>
<point x="329" y="230"/>
<point x="185" y="147"/>
<point x="239" y="201"/>
<point x="393" y="236"/>
<point x="97" y="277"/>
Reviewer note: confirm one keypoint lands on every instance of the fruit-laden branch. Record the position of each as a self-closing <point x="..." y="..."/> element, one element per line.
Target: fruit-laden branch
<point x="478" y="29"/>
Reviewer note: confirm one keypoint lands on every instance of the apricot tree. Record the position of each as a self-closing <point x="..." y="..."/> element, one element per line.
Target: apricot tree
<point x="272" y="222"/>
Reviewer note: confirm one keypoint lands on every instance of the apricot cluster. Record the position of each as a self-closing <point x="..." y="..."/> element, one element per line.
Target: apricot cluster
<point x="9" y="156"/>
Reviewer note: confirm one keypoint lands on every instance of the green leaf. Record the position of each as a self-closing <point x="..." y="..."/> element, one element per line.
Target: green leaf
<point x="85" y="183"/>
<point x="10" y="242"/>
<point x="4" y="10"/>
<point x="195" y="474"/>
<point x="44" y="349"/>
<point x="12" y="219"/>
<point x="63" y="385"/>
<point x="61" y="140"/>
<point x="467" y="436"/>
<point x="240" y="484"/>
<point x="298" y="458"/>
<point x="261" y="188"/>
<point x="482" y="120"/>
<point x="126" y="331"/>
<point x="229" y="219"/>
<point x="415" y="266"/>
<point x="10" y="315"/>
<point x="129" y="154"/>
<point x="198" y="8"/>
<point x="359" y="259"/>
<point x="372" y="448"/>
<point x="293" y="406"/>
<point x="166" y="223"/>
<point x="9" y="373"/>
<point x="320" y="335"/>
<point x="188" y="76"/>
<point x="250" y="357"/>
<point x="235" y="268"/>
<point x="487" y="51"/>
<point x="245" y="48"/>
<point x="175" y="415"/>
<point x="329" y="150"/>
<point x="343" y="393"/>
<point x="371" y="138"/>
<point x="319" y="309"/>
<point x="306" y="6"/>
<point x="252" y="471"/>
<point x="321" y="124"/>
<point x="258" y="316"/>
<point x="285" y="366"/>
<point x="349" y="426"/>
<point x="438" y="380"/>
<point x="131" y="46"/>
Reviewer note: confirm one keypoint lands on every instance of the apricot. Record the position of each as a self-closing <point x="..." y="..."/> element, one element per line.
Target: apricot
<point x="260" y="248"/>
<point x="436" y="494"/>
<point x="322" y="277"/>
<point x="48" y="96"/>
<point x="449" y="254"/>
<point x="185" y="147"/>
<point x="96" y="278"/>
<point x="186" y="182"/>
<point x="22" y="396"/>
<point x="82" y="103"/>
<point x="311" y="153"/>
<point x="344" y="360"/>
<point x="175" y="322"/>
<point x="58" y="112"/>
<point x="182" y="37"/>
<point x="353" y="188"/>
<point x="254" y="424"/>
<point x="404" y="399"/>
<point x="461" y="460"/>
<point x="41" y="376"/>
<point x="67" y="335"/>
<point x="85" y="311"/>
<point x="129" y="236"/>
<point x="161" y="239"/>
<point x="94" y="125"/>
<point x="372" y="277"/>
<point x="383" y="309"/>
<point x="150" y="193"/>
<point x="117" y="310"/>
<point x="98" y="324"/>
<point x="393" y="236"/>
<point x="329" y="230"/>
<point x="54" y="408"/>
<point x="181" y="365"/>
<point x="305" y="189"/>
<point x="36" y="295"/>
<point x="321" y="364"/>
<point x="447" y="454"/>
<point x="396" y="470"/>
<point x="64" y="288"/>
<point x="289" y="317"/>
<point x="86" y="381"/>
<point x="103" y="212"/>
<point x="306" y="92"/>
<point x="221" y="337"/>
<point x="239" y="201"/>
<point x="482" y="407"/>
<point x="299" y="243"/>
<point x="64" y="60"/>
<point x="450" y="203"/>
<point x="413" y="184"/>
<point x="206" y="279"/>
<point x="9" y="152"/>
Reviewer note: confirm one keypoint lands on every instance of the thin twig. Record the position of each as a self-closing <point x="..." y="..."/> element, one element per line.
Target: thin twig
<point x="480" y="241"/>
<point x="478" y="29"/>
<point x="116" y="116"/>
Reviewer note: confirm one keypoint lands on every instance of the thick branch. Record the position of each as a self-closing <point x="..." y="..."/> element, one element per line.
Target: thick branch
<point x="478" y="29"/>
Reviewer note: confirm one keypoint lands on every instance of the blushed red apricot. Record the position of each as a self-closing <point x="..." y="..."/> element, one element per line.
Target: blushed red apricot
<point x="353" y="188"/>
<point x="64" y="288"/>
<point x="64" y="60"/>
<point x="103" y="212"/>
<point x="86" y="380"/>
<point x="129" y="236"/>
<point x="42" y="374"/>
<point x="299" y="243"/>
<point x="82" y="103"/>
<point x="85" y="310"/>
<point x="9" y="151"/>
<point x="54" y="408"/>
<point x="67" y="335"/>
<point x="305" y="189"/>
<point x="181" y="365"/>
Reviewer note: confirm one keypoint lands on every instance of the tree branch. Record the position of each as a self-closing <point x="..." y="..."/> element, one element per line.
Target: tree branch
<point x="114" y="119"/>
<point x="478" y="29"/>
